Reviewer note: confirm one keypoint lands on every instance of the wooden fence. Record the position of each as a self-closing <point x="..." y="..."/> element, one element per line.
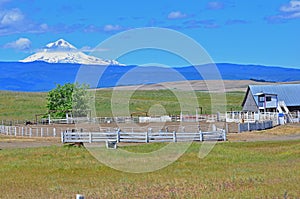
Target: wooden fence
<point x="143" y="137"/>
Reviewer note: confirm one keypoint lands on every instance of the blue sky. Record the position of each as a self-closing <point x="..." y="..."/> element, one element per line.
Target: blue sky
<point x="235" y="31"/>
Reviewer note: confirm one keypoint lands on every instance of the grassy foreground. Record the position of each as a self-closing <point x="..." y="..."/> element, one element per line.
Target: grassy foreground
<point x="24" y="105"/>
<point x="231" y="170"/>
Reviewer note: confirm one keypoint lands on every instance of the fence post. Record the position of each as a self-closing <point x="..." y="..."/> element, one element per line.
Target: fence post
<point x="224" y="135"/>
<point x="118" y="135"/>
<point x="15" y="131"/>
<point x="90" y="137"/>
<point x="239" y="127"/>
<point x="201" y="136"/>
<point x="174" y="136"/>
<point x="79" y="196"/>
<point x="54" y="132"/>
<point x="42" y="132"/>
<point x="22" y="131"/>
<point x="62" y="137"/>
<point x="147" y="135"/>
<point x="218" y="116"/>
<point x="30" y="132"/>
<point x="214" y="128"/>
<point x="226" y="127"/>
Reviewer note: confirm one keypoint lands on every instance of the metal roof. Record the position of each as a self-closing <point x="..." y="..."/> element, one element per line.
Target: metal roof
<point x="289" y="93"/>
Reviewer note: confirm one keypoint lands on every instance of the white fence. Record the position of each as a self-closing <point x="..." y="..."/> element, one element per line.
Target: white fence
<point x="251" y="117"/>
<point x="295" y="116"/>
<point x="255" y="126"/>
<point x="105" y="134"/>
<point x="124" y="119"/>
<point x="144" y="137"/>
<point x="31" y="131"/>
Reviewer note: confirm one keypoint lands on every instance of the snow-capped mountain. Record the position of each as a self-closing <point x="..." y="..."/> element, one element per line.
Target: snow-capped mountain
<point x="62" y="51"/>
<point x="60" y="45"/>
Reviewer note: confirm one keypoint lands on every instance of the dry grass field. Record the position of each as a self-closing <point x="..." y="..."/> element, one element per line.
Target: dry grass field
<point x="258" y="168"/>
<point x="232" y="170"/>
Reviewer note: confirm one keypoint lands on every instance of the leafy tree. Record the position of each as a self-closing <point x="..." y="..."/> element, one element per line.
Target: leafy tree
<point x="68" y="98"/>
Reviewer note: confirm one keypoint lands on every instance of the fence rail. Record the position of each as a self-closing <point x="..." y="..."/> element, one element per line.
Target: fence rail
<point x="240" y="117"/>
<point x="105" y="134"/>
<point x="143" y="137"/>
<point x="121" y="119"/>
<point x="242" y="127"/>
<point x="31" y="131"/>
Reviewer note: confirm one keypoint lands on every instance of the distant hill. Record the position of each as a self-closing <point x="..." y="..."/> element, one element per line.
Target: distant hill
<point x="42" y="76"/>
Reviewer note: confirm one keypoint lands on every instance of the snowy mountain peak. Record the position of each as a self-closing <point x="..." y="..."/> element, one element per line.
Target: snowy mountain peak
<point x="60" y="45"/>
<point x="62" y="51"/>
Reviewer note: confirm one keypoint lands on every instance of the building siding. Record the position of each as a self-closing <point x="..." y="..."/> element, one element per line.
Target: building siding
<point x="249" y="103"/>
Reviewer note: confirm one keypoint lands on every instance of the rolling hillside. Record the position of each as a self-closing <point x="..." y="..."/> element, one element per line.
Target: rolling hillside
<point x="42" y="76"/>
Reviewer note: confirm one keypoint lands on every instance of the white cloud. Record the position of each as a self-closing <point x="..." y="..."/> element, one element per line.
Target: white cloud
<point x="22" y="44"/>
<point x="215" y="5"/>
<point x="110" y="28"/>
<point x="293" y="6"/>
<point x="288" y="11"/>
<point x="44" y="26"/>
<point x="176" y="15"/>
<point x="11" y="17"/>
<point x="14" y="21"/>
<point x="293" y="15"/>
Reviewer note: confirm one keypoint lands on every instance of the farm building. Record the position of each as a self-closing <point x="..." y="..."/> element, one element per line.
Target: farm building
<point x="272" y="98"/>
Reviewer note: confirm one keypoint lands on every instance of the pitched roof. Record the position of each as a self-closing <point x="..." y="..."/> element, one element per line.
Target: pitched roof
<point x="289" y="93"/>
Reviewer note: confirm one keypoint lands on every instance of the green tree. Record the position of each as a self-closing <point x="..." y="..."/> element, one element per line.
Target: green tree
<point x="68" y="98"/>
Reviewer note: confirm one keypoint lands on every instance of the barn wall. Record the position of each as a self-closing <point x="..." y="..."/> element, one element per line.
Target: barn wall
<point x="250" y="104"/>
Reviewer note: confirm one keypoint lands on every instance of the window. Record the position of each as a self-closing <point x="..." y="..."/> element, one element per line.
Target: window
<point x="268" y="99"/>
<point x="261" y="99"/>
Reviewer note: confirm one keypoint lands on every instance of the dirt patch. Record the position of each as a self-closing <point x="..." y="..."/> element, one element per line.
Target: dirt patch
<point x="285" y="132"/>
<point x="7" y="142"/>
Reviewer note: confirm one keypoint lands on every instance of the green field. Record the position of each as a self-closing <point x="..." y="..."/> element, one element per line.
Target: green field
<point x="21" y="105"/>
<point x="231" y="170"/>
<point x="24" y="106"/>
